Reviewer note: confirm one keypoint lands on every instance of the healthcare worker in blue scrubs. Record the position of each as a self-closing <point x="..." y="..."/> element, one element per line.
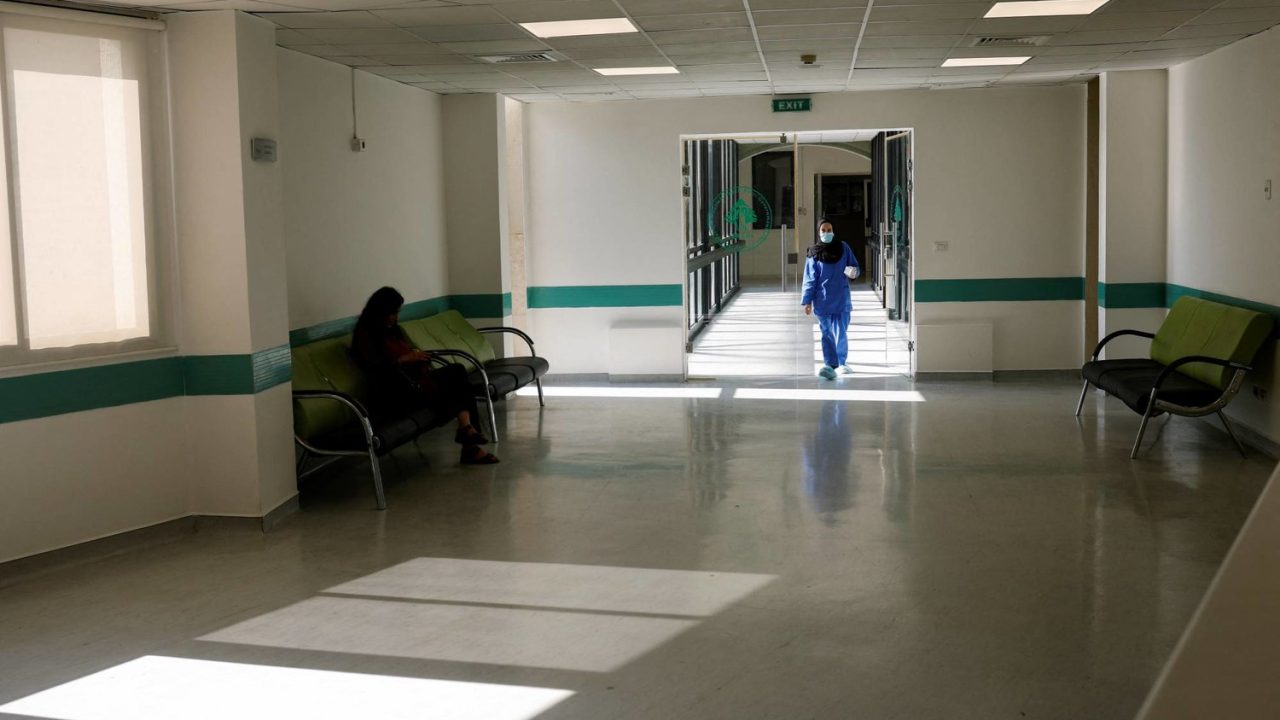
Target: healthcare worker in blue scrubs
<point x="827" y="272"/>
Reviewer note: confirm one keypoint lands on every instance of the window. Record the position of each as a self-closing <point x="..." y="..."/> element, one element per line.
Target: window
<point x="76" y="213"/>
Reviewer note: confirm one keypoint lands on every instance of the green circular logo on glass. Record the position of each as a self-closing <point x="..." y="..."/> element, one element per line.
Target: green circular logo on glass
<point x="734" y="216"/>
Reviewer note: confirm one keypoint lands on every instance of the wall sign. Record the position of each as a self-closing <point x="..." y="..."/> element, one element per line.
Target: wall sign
<point x="792" y="104"/>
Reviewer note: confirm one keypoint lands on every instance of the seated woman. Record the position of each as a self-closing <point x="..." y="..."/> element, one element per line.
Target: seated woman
<point x="401" y="376"/>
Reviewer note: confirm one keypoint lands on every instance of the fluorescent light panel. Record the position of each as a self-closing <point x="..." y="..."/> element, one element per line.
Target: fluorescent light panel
<point x="985" y="62"/>
<point x="1042" y="8"/>
<point x="569" y="28"/>
<point x="654" y="70"/>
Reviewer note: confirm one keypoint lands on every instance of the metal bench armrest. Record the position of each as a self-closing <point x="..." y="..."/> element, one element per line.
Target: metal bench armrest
<point x="1140" y="333"/>
<point x="514" y="331"/>
<point x="1173" y="366"/>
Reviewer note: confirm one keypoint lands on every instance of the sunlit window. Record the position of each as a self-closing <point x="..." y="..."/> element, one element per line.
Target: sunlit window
<point x="78" y="276"/>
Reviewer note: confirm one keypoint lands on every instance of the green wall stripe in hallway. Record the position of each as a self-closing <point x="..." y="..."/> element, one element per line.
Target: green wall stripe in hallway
<point x="67" y="391"/>
<point x="1131" y="295"/>
<point x="1000" y="289"/>
<point x="484" y="305"/>
<point x="600" y="296"/>
<point x="27" y="397"/>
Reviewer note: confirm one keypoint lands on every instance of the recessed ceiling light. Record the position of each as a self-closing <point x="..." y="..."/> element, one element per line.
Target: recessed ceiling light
<point x="656" y="70"/>
<point x="1038" y="8"/>
<point x="986" y="61"/>
<point x="567" y="28"/>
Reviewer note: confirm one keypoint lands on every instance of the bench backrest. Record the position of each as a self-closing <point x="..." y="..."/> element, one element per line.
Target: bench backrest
<point x="448" y="331"/>
<point x="1196" y="326"/>
<point x="325" y="365"/>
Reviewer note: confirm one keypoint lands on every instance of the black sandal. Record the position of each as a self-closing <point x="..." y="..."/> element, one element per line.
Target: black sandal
<point x="473" y="455"/>
<point x="469" y="435"/>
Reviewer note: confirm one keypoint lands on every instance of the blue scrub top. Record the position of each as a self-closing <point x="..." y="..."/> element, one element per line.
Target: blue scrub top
<point x="826" y="286"/>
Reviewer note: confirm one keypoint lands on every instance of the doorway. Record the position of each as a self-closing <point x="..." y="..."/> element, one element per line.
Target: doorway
<point x="751" y="205"/>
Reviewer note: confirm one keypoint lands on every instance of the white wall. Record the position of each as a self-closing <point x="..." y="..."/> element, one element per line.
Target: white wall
<point x="1133" y="172"/>
<point x="476" y="212"/>
<point x="354" y="222"/>
<point x="999" y="174"/>
<point x="1224" y="143"/>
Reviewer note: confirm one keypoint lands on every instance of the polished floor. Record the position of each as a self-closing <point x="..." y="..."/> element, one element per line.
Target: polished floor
<point x="763" y="332"/>
<point x="766" y="549"/>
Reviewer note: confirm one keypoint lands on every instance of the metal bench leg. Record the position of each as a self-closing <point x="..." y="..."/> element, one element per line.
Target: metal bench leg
<point x="377" y="479"/>
<point x="1151" y="404"/>
<point x="1226" y="424"/>
<point x="1083" y="392"/>
<point x="493" y="419"/>
<point x="541" y="402"/>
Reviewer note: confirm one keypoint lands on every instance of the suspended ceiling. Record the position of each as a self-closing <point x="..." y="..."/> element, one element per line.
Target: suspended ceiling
<point x="736" y="47"/>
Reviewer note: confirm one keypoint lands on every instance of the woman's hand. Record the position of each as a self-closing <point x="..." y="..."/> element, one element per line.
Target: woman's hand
<point x="417" y="356"/>
<point x="808" y="309"/>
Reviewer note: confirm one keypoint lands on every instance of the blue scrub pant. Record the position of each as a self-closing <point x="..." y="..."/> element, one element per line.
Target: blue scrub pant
<point x="835" y="338"/>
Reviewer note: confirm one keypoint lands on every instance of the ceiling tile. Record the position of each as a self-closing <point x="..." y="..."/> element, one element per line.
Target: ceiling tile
<point x="683" y="50"/>
<point x="325" y="51"/>
<point x="800" y="32"/>
<point x="1122" y="21"/>
<point x="944" y="27"/>
<point x="421" y="60"/>
<point x="921" y="41"/>
<point x="623" y="52"/>
<point x="314" y="20"/>
<point x="703" y="21"/>
<point x="810" y="4"/>
<point x="807" y="17"/>
<point x="638" y="8"/>
<point x="898" y="63"/>
<point x="1100" y="37"/>
<point x="495" y="47"/>
<point x="355" y="61"/>
<point x="1024" y="26"/>
<point x="949" y="11"/>
<point x="1195" y="31"/>
<point x="703" y="37"/>
<point x="469" y="33"/>
<point x="245" y="5"/>
<point x="422" y="47"/>
<point x="743" y="58"/>
<point x="1067" y="50"/>
<point x="1221" y="17"/>
<point x="535" y="97"/>
<point x="550" y="10"/>
<point x="599" y="41"/>
<point x="902" y="54"/>
<point x="388" y="35"/>
<point x="1133" y="6"/>
<point x="422" y="17"/>
<point x="285" y="38"/>
<point x="1207" y="43"/>
<point x="663" y="94"/>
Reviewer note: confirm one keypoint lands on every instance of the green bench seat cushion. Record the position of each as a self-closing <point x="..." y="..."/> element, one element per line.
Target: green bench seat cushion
<point x="449" y="331"/>
<point x="1196" y="326"/>
<point x="325" y="365"/>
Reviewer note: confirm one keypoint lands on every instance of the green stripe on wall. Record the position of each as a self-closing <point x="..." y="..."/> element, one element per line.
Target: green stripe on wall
<point x="1131" y="295"/>
<point x="1000" y="289"/>
<point x="590" y="296"/>
<point x="68" y="391"/>
<point x="218" y="374"/>
<point x="486" y="305"/>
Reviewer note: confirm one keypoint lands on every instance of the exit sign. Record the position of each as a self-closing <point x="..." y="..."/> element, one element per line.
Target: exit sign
<point x="792" y="105"/>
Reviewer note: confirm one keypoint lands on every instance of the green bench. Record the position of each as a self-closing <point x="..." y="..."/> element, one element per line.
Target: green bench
<point x="1198" y="361"/>
<point x="331" y="418"/>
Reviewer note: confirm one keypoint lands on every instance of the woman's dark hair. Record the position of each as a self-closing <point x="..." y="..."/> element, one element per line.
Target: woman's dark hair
<point x="383" y="302"/>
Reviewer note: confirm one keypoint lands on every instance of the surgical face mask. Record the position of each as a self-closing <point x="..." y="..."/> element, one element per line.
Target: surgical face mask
<point x="826" y="237"/>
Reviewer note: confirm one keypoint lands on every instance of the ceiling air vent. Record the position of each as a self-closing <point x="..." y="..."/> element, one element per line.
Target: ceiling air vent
<point x="540" y="57"/>
<point x="1011" y="41"/>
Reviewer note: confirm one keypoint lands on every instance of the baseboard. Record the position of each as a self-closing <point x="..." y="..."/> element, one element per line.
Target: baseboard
<point x="282" y="512"/>
<point x="90" y="551"/>
<point x="95" y="550"/>
<point x="1248" y="435"/>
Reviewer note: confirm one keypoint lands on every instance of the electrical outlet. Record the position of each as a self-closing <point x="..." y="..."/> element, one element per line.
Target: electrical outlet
<point x="1259" y="392"/>
<point x="941" y="246"/>
<point x="358" y="144"/>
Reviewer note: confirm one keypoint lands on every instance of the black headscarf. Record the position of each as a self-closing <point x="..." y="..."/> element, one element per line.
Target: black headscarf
<point x="369" y="341"/>
<point x="829" y="253"/>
